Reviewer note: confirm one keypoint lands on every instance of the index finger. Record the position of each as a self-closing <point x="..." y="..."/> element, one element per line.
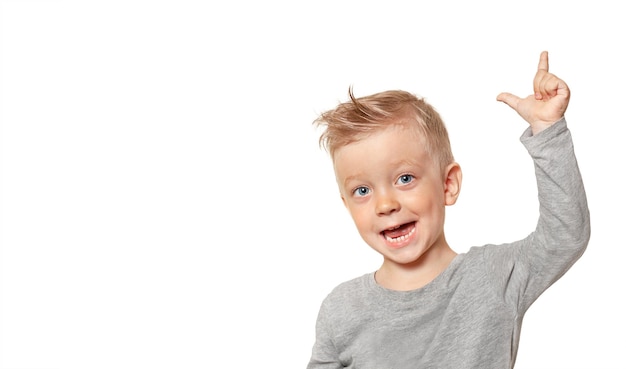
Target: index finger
<point x="543" y="61"/>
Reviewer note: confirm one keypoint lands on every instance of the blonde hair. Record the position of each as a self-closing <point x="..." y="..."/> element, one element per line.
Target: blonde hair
<point x="357" y="118"/>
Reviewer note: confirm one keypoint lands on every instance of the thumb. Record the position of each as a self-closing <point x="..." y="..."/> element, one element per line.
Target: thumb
<point x="509" y="99"/>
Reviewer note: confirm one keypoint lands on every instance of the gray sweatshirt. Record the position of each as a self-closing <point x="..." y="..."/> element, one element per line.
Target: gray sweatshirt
<point x="471" y="314"/>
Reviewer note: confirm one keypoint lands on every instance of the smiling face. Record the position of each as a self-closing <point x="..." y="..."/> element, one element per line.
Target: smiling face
<point x="396" y="194"/>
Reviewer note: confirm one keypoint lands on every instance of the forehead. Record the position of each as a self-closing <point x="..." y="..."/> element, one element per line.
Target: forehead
<point x="382" y="150"/>
<point x="394" y="136"/>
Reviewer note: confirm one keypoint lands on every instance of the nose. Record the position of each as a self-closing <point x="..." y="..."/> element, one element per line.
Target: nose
<point x="386" y="203"/>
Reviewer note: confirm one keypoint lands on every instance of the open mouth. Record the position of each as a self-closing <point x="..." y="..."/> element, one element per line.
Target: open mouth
<point x="400" y="233"/>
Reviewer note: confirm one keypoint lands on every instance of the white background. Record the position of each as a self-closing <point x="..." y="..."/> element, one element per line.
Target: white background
<point x="165" y="203"/>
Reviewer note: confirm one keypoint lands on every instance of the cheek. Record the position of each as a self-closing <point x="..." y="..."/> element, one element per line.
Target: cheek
<point x="428" y="205"/>
<point x="433" y="195"/>
<point x="360" y="217"/>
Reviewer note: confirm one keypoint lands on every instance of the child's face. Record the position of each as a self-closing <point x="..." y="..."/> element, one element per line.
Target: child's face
<point x="395" y="193"/>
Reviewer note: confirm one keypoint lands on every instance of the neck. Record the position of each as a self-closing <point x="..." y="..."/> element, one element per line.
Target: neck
<point x="407" y="277"/>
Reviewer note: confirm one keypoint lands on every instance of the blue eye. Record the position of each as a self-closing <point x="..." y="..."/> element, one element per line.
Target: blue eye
<point x="361" y="191"/>
<point x="405" y="178"/>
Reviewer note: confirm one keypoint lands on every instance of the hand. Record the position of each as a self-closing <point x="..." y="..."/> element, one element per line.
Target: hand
<point x="549" y="102"/>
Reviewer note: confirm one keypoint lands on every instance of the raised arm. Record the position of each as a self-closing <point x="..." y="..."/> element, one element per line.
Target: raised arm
<point x="563" y="227"/>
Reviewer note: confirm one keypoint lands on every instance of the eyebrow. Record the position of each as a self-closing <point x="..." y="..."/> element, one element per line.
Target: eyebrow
<point x="351" y="178"/>
<point x="396" y="164"/>
<point x="403" y="162"/>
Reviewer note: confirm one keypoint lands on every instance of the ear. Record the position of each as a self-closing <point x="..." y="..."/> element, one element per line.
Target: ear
<point x="452" y="183"/>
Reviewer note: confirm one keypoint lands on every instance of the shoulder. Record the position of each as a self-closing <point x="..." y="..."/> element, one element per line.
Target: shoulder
<point x="495" y="253"/>
<point x="491" y="261"/>
<point x="353" y="289"/>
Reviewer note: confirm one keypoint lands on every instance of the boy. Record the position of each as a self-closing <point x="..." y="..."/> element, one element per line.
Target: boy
<point x="427" y="306"/>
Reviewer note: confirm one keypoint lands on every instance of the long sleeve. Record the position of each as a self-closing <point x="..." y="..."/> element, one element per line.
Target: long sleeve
<point x="563" y="227"/>
<point x="324" y="354"/>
